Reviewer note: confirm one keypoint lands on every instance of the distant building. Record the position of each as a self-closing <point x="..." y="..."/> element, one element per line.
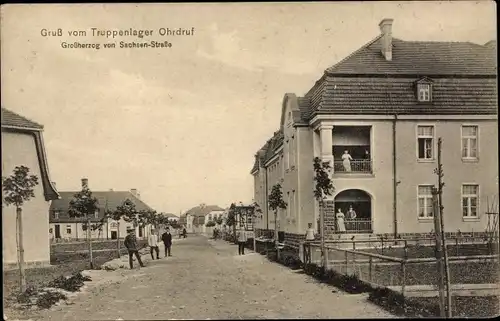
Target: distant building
<point x="64" y="227"/>
<point x="376" y="117"/>
<point x="22" y="144"/>
<point x="172" y="218"/>
<point x="196" y="218"/>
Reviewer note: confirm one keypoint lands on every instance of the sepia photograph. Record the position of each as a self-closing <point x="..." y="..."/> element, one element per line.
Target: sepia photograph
<point x="253" y="160"/>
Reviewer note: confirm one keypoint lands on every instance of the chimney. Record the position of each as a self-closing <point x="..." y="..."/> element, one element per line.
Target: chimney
<point x="386" y="30"/>
<point x="85" y="182"/>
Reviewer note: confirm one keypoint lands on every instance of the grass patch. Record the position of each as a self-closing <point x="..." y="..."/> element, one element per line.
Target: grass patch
<point x="49" y="298"/>
<point x="72" y="283"/>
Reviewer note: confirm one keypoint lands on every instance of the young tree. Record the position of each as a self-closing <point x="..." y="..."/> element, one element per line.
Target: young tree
<point x="125" y="211"/>
<point x="219" y="220"/>
<point x="276" y="202"/>
<point x="322" y="189"/>
<point x="18" y="189"/>
<point x="231" y="219"/>
<point x="82" y="206"/>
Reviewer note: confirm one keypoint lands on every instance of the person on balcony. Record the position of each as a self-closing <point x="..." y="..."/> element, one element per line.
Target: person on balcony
<point x="351" y="214"/>
<point x="346" y="161"/>
<point x="340" y="221"/>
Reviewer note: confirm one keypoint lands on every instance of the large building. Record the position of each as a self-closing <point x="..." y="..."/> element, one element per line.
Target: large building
<point x="22" y="144"/>
<point x="386" y="105"/>
<point x="63" y="227"/>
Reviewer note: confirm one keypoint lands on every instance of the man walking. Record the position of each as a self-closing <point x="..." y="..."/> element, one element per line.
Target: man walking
<point x="242" y="240"/>
<point x="307" y="245"/>
<point x="153" y="244"/>
<point x="167" y="241"/>
<point x="132" y="247"/>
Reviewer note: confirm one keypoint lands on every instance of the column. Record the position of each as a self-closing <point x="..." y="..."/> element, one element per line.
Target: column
<point x="326" y="138"/>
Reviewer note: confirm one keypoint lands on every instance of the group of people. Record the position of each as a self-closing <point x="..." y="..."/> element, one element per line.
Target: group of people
<point x="154" y="238"/>
<point x="341" y="217"/>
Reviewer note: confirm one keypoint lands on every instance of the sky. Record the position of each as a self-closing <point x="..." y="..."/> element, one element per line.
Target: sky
<point x="182" y="124"/>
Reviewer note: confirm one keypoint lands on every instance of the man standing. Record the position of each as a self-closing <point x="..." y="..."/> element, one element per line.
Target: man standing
<point x="132" y="247"/>
<point x="153" y="244"/>
<point x="167" y="241"/>
<point x="307" y="245"/>
<point x="242" y="240"/>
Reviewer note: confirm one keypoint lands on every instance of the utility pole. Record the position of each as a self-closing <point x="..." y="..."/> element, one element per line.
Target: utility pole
<point x="440" y="174"/>
<point x="439" y="252"/>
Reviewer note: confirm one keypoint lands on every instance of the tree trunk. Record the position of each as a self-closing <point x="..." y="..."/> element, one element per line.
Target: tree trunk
<point x="276" y="234"/>
<point x="89" y="239"/>
<point x="322" y="232"/>
<point x="22" y="275"/>
<point x="118" y="239"/>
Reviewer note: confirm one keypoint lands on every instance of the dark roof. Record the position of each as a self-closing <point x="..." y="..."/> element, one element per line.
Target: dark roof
<point x="109" y="200"/>
<point x="201" y="211"/>
<point x="420" y="58"/>
<point x="353" y="95"/>
<point x="12" y="119"/>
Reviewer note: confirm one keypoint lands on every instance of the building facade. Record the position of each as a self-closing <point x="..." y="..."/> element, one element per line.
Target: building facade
<point x="376" y="118"/>
<point x="22" y="144"/>
<point x="195" y="218"/>
<point x="65" y="228"/>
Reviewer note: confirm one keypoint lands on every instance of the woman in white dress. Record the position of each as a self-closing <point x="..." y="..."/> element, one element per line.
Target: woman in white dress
<point x="340" y="221"/>
<point x="346" y="161"/>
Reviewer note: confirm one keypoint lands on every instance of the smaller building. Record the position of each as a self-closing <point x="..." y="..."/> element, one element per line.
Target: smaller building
<point x="22" y="144"/>
<point x="63" y="227"/>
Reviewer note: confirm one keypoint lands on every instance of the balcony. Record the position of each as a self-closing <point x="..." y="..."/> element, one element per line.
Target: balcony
<point x="354" y="141"/>
<point x="355" y="166"/>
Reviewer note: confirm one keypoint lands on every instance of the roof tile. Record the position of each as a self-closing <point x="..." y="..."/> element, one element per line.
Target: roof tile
<point x="12" y="119"/>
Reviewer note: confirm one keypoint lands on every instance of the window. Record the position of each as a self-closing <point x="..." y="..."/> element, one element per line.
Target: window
<point x="56" y="214"/>
<point x="68" y="229"/>
<point x="96" y="214"/>
<point x="424" y="92"/>
<point x="425" y="210"/>
<point x="470" y="195"/>
<point x="425" y="142"/>
<point x="469" y="142"/>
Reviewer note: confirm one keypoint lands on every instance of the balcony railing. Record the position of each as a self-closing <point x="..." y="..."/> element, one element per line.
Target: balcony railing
<point x="358" y="225"/>
<point x="355" y="166"/>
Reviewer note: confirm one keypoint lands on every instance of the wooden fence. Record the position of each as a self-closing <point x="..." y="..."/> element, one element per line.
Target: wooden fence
<point x="403" y="273"/>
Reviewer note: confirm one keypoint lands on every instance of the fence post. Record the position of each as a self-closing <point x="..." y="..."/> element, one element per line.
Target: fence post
<point x="456" y="247"/>
<point x="370" y="267"/>
<point x="403" y="277"/>
<point x="406" y="249"/>
<point x="326" y="258"/>
<point x="346" y="261"/>
<point x="382" y="246"/>
<point x="354" y="255"/>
